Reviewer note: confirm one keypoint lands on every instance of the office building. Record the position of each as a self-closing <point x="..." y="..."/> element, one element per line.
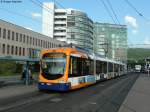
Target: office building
<point x="69" y="25"/>
<point x="111" y="40"/>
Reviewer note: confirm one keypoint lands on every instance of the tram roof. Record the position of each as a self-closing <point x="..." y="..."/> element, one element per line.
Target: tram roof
<point x="104" y="59"/>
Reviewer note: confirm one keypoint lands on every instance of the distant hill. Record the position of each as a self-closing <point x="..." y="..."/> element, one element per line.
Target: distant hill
<point x="138" y="53"/>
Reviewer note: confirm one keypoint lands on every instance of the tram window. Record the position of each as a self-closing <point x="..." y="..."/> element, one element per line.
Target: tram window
<point x="75" y="67"/>
<point x="80" y="67"/>
<point x="104" y="67"/>
<point x="110" y="66"/>
<point x="98" y="66"/>
<point x="121" y="68"/>
<point x="86" y="67"/>
<point x="116" y="68"/>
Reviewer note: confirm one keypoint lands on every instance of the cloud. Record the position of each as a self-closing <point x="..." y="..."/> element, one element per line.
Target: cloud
<point x="36" y="15"/>
<point x="134" y="31"/>
<point x="147" y="40"/>
<point x="28" y="28"/>
<point x="131" y="21"/>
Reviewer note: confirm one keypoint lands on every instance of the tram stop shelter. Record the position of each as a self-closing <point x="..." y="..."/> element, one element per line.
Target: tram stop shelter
<point x="27" y="61"/>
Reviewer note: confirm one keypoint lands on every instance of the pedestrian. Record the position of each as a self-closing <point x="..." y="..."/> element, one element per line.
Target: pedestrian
<point x="30" y="74"/>
<point x="23" y="76"/>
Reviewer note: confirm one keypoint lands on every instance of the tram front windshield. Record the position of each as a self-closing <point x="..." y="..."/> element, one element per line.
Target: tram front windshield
<point x="53" y="65"/>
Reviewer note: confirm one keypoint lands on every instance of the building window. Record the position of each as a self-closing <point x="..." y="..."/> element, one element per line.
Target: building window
<point x="16" y="36"/>
<point x="72" y="36"/>
<point x="0" y="33"/>
<point x="12" y="50"/>
<point x="16" y="50"/>
<point x="70" y="24"/>
<point x="23" y="50"/>
<point x="19" y="51"/>
<point x="27" y="39"/>
<point x="50" y="45"/>
<point x="36" y="42"/>
<point x="8" y="36"/>
<point x="41" y="43"/>
<point x="8" y="49"/>
<point x="3" y="49"/>
<point x="20" y="37"/>
<point x="44" y="44"/>
<point x="4" y="33"/>
<point x="24" y="38"/>
<point x="13" y="35"/>
<point x="33" y="40"/>
<point x="30" y="40"/>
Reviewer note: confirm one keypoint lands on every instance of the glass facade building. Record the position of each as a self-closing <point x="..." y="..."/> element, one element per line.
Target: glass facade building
<point x="111" y="40"/>
<point x="69" y="25"/>
<point x="74" y="26"/>
<point x="80" y="29"/>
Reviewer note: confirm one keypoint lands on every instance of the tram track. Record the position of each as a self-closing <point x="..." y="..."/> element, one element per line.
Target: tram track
<point x="105" y="96"/>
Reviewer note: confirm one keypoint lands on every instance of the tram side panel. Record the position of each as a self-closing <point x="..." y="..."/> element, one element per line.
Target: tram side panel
<point x="101" y="70"/>
<point x="81" y="72"/>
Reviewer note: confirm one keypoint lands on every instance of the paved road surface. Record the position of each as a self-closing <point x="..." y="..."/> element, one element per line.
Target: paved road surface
<point x="106" y="96"/>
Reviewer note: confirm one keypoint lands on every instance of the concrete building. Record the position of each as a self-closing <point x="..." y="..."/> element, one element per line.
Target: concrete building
<point x="19" y="42"/>
<point x="111" y="40"/>
<point x="69" y="25"/>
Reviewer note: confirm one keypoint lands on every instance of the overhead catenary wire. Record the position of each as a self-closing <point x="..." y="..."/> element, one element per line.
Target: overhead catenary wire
<point x="18" y="14"/>
<point x="22" y="15"/>
<point x="136" y="10"/>
<point x="108" y="11"/>
<point x="40" y="4"/>
<point x="115" y="15"/>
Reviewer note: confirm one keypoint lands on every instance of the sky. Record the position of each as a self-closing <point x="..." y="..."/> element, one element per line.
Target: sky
<point x="29" y="15"/>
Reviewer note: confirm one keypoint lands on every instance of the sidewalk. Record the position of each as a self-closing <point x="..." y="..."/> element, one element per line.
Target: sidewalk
<point x="14" y="80"/>
<point x="17" y="90"/>
<point x="138" y="99"/>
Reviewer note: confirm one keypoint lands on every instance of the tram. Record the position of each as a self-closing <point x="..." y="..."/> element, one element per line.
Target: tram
<point x="68" y="68"/>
